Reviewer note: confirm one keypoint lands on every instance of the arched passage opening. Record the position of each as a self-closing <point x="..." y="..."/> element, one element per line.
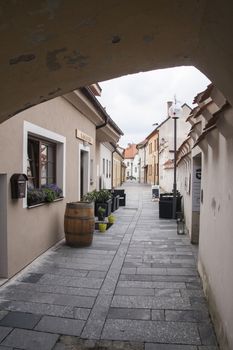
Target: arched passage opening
<point x="50" y="48"/>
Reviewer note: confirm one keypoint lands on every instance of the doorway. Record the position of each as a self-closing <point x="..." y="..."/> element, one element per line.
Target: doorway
<point x="196" y="198"/>
<point x="84" y="172"/>
<point x="3" y="226"/>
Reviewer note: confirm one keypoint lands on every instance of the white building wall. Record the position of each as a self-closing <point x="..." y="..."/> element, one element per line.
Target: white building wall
<point x="216" y="234"/>
<point x="141" y="156"/>
<point x="105" y="167"/>
<point x="136" y="167"/>
<point x="129" y="167"/>
<point x="184" y="186"/>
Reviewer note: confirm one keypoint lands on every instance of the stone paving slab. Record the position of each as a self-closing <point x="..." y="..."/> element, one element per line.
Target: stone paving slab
<point x="37" y="308"/>
<point x="157" y="331"/>
<point x="20" y="320"/>
<point x="4" y="331"/>
<point x="130" y="314"/>
<point x="151" y="346"/>
<point x="30" y="340"/>
<point x="60" y="325"/>
<point x="148" y="302"/>
<point x="3" y="314"/>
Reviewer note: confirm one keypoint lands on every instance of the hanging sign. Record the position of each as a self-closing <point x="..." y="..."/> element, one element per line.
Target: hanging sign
<point x="82" y="136"/>
<point x="196" y="188"/>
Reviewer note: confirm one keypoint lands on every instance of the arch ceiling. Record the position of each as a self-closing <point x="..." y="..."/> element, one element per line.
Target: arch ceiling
<point x="50" y="47"/>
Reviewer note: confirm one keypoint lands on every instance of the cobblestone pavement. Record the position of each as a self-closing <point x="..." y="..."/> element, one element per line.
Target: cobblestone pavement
<point x="136" y="287"/>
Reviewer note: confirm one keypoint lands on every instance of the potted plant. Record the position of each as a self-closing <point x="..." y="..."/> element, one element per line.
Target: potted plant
<point x="111" y="219"/>
<point x="101" y="213"/>
<point x="47" y="193"/>
<point x="35" y="196"/>
<point x="103" y="199"/>
<point x="102" y="227"/>
<point x="90" y="196"/>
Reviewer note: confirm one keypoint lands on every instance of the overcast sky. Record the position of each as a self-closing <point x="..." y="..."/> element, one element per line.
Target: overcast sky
<point x="137" y="101"/>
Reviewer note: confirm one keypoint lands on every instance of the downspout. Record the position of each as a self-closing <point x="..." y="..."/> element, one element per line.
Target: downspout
<point x="104" y="124"/>
<point x="112" y="168"/>
<point x="112" y="162"/>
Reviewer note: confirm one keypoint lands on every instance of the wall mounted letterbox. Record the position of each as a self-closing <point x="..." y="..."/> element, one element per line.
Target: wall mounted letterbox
<point x="18" y="186"/>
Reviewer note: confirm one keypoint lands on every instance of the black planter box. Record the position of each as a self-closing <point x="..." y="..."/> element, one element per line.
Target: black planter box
<point x="122" y="199"/>
<point x="115" y="202"/>
<point x="166" y="205"/>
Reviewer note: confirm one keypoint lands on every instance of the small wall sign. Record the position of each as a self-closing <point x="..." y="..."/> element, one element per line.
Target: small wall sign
<point x="82" y="136"/>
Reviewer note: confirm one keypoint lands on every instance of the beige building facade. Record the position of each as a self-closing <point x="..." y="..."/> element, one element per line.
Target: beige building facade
<point x="153" y="158"/>
<point x="54" y="142"/>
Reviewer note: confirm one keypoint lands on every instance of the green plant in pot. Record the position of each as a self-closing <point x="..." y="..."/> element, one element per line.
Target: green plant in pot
<point x="49" y="195"/>
<point x="90" y="196"/>
<point x="103" y="199"/>
<point x="101" y="213"/>
<point x="35" y="196"/>
<point x="111" y="219"/>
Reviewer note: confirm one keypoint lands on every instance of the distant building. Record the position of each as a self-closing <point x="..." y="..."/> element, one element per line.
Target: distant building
<point x="118" y="168"/>
<point x="142" y="166"/>
<point x="166" y="146"/>
<point x="153" y="157"/>
<point x="131" y="161"/>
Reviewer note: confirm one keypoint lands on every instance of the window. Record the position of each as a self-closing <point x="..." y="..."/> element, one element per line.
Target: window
<point x="150" y="148"/>
<point x="44" y="157"/>
<point x="150" y="170"/>
<point x="110" y="169"/>
<point x="41" y="162"/>
<point x="106" y="167"/>
<point x="127" y="163"/>
<point x="103" y="166"/>
<point x="135" y="169"/>
<point x="155" y="145"/>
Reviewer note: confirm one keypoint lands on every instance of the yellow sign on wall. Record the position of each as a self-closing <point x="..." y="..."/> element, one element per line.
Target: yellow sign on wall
<point x="82" y="136"/>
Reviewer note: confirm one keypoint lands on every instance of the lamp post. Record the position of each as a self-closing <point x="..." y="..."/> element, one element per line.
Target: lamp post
<point x="175" y="111"/>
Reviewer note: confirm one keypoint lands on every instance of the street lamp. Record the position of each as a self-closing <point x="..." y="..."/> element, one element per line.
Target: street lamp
<point x="175" y="111"/>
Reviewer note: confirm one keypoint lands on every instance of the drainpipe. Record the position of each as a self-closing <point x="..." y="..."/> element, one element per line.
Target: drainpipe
<point x="104" y="124"/>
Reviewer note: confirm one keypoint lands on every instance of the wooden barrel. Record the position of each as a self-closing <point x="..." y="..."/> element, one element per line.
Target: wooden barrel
<point x="79" y="223"/>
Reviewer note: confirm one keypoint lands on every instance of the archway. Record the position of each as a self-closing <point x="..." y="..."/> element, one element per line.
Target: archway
<point x="51" y="48"/>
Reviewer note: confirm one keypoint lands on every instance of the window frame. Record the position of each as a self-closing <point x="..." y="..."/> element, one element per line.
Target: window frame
<point x="50" y="136"/>
<point x="41" y="141"/>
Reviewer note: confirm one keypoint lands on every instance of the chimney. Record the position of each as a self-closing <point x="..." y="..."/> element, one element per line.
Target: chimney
<point x="169" y="104"/>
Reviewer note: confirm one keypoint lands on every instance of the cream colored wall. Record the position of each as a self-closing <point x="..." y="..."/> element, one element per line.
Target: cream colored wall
<point x="117" y="159"/>
<point x="31" y="231"/>
<point x="216" y="236"/>
<point x="152" y="160"/>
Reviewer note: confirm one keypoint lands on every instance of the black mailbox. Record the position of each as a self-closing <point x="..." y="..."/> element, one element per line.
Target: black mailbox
<point x="18" y="186"/>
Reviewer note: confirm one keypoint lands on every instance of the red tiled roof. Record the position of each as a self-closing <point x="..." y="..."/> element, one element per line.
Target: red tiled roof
<point x="130" y="151"/>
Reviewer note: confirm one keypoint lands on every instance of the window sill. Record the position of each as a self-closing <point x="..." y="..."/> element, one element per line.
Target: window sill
<point x="44" y="203"/>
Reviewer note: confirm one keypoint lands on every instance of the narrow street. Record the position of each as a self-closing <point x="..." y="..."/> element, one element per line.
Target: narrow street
<point x="136" y="287"/>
